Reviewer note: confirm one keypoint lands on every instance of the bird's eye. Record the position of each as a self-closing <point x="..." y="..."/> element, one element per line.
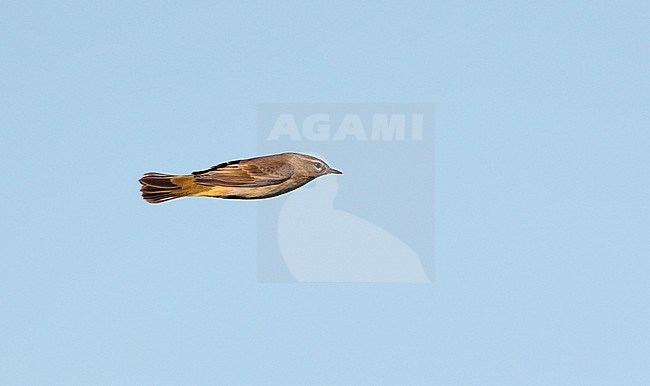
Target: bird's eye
<point x="318" y="165"/>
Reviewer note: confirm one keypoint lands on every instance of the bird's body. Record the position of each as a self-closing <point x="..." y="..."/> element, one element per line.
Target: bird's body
<point x="247" y="179"/>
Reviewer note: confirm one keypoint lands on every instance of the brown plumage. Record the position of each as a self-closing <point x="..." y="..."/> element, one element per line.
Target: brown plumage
<point x="248" y="179"/>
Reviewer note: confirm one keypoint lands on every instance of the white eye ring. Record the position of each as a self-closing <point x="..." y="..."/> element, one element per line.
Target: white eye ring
<point x="318" y="165"/>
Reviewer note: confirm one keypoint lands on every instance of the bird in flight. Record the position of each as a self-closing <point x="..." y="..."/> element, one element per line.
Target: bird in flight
<point x="246" y="179"/>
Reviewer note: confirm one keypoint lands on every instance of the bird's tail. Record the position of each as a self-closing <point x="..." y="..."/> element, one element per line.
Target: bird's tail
<point x="158" y="187"/>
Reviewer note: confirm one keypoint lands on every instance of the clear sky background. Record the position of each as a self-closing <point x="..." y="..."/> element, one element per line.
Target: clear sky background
<point x="542" y="226"/>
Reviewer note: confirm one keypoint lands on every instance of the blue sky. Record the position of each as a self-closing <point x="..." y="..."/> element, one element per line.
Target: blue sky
<point x="541" y="196"/>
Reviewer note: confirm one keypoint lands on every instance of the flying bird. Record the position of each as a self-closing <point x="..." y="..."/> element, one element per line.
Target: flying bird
<point x="246" y="179"/>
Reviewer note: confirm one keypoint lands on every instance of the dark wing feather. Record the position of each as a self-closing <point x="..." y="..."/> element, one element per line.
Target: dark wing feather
<point x="246" y="173"/>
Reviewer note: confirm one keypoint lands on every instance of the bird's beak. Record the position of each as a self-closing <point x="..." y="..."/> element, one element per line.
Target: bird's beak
<point x="334" y="171"/>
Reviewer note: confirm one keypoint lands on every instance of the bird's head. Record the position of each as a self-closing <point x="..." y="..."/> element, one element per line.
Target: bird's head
<point x="311" y="166"/>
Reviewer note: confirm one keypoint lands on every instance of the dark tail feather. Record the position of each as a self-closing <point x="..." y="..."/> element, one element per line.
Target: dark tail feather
<point x="158" y="187"/>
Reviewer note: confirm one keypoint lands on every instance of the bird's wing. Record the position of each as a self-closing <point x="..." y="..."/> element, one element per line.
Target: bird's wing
<point x="245" y="173"/>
